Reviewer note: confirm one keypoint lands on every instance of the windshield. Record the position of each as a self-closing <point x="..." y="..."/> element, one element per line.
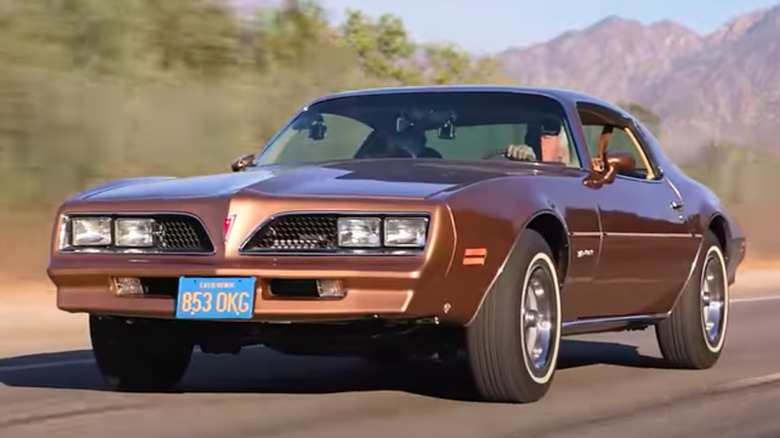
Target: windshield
<point x="464" y="126"/>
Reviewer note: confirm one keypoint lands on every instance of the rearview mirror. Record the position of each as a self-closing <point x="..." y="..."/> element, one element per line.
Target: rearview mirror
<point x="447" y="131"/>
<point x="614" y="163"/>
<point x="317" y="131"/>
<point x="242" y="162"/>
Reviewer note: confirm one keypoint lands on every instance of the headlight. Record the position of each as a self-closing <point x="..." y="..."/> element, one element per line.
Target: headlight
<point x="406" y="232"/>
<point x="92" y="231"/>
<point x="134" y="232"/>
<point x="359" y="232"/>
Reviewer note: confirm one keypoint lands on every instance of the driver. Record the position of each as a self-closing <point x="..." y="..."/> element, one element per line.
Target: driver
<point x="410" y="142"/>
<point x="544" y="137"/>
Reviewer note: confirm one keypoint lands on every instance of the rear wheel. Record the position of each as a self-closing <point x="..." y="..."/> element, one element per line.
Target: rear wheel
<point x="694" y="334"/>
<point x="512" y="345"/>
<point x="142" y="356"/>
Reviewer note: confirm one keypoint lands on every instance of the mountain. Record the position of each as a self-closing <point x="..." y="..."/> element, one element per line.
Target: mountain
<point x="722" y="86"/>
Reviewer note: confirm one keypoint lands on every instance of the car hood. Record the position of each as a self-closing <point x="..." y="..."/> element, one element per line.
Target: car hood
<point x="371" y="178"/>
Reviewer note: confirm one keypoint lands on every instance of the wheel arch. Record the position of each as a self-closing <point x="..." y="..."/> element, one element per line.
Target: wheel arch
<point x="720" y="227"/>
<point x="554" y="231"/>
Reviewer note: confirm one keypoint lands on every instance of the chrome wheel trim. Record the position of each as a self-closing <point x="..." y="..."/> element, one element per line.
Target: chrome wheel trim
<point x="714" y="299"/>
<point x="540" y="317"/>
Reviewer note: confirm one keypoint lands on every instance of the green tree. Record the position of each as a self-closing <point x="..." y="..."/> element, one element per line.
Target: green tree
<point x="194" y="35"/>
<point x="447" y="64"/>
<point x="384" y="47"/>
<point x="292" y="35"/>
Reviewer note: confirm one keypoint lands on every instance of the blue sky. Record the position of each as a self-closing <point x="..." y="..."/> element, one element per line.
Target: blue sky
<point x="493" y="25"/>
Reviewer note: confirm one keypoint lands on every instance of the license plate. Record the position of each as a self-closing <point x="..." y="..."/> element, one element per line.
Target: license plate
<point x="216" y="298"/>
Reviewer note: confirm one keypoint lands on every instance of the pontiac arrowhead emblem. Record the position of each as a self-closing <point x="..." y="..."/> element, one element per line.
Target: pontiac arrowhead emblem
<point x="228" y="225"/>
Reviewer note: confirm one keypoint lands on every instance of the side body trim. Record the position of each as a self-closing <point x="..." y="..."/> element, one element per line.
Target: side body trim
<point x="595" y="325"/>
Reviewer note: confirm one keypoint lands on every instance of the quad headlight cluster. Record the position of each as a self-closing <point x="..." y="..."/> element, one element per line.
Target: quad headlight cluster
<point x="96" y="231"/>
<point x="375" y="232"/>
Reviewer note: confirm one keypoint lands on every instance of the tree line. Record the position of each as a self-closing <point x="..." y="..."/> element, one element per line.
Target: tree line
<point x="92" y="90"/>
<point x="208" y="39"/>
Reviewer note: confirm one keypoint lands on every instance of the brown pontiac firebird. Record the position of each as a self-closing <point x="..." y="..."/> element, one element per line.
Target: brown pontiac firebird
<point x="403" y="223"/>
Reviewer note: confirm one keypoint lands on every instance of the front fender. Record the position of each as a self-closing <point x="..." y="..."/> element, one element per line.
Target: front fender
<point x="487" y="229"/>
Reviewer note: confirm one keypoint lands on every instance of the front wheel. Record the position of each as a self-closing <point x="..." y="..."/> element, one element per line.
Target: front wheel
<point x="513" y="343"/>
<point x="694" y="334"/>
<point x="142" y="356"/>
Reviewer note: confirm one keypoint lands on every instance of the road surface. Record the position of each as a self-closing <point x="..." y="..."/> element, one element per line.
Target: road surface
<point x="607" y="385"/>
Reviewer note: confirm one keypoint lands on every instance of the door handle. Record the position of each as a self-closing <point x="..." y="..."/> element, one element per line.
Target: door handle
<point x="676" y="205"/>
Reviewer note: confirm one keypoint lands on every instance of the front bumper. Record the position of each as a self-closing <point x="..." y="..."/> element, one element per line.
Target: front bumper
<point x="373" y="287"/>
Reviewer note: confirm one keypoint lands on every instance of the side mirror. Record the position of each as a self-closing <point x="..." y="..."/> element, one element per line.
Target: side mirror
<point x="618" y="161"/>
<point x="615" y="162"/>
<point x="242" y="162"/>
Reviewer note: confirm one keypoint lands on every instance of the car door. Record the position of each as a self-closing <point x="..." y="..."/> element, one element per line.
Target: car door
<point x="647" y="243"/>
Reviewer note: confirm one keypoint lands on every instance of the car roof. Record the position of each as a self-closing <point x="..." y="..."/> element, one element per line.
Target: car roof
<point x="562" y="95"/>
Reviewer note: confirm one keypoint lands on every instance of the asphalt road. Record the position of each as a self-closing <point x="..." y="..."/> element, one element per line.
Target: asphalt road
<point x="608" y="385"/>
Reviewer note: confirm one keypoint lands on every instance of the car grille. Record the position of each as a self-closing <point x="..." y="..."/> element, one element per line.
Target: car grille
<point x="182" y="233"/>
<point x="304" y="232"/>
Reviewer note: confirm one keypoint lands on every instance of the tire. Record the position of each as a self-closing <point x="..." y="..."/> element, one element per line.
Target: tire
<point x="143" y="356"/>
<point x="497" y="337"/>
<point x="682" y="337"/>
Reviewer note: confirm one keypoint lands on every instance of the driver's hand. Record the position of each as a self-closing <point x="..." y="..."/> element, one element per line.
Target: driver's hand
<point x="520" y="152"/>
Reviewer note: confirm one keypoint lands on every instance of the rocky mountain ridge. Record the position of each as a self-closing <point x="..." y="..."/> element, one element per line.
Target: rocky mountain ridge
<point x="724" y="86"/>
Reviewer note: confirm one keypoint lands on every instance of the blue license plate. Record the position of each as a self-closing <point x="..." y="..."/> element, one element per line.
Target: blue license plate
<point x="216" y="298"/>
